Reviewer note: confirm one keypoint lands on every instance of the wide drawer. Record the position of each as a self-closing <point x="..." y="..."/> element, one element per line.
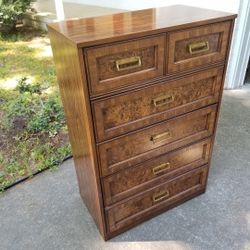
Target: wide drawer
<point x="127" y="112"/>
<point x="198" y="46"/>
<point x="155" y="140"/>
<point x="122" y="64"/>
<point x="136" y="179"/>
<point x="158" y="198"/>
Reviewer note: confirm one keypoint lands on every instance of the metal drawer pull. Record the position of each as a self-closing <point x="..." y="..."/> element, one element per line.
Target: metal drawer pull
<point x="160" y="137"/>
<point x="162" y="100"/>
<point x="128" y="63"/>
<point x="160" y="168"/>
<point x="195" y="48"/>
<point x="160" y="195"/>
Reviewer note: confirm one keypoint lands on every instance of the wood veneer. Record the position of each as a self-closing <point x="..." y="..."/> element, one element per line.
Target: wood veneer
<point x="103" y="73"/>
<point x="141" y="92"/>
<point x="149" y="173"/>
<point x="123" y="113"/>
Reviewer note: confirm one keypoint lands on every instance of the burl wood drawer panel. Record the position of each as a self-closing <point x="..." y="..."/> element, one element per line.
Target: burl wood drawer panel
<point x="198" y="46"/>
<point x="122" y="64"/>
<point x="127" y="112"/>
<point x="142" y="145"/>
<point x="160" y="197"/>
<point x="136" y="179"/>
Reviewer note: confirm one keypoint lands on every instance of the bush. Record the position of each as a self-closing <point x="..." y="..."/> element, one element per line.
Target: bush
<point x="11" y="11"/>
<point x="30" y="110"/>
<point x="50" y="119"/>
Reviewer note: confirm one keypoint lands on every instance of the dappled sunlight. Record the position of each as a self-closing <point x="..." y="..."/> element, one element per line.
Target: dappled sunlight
<point x="31" y="114"/>
<point x="246" y="103"/>
<point x="154" y="245"/>
<point x="238" y="93"/>
<point x="51" y="90"/>
<point x="45" y="14"/>
<point x="42" y="46"/>
<point x="247" y="245"/>
<point x="32" y="59"/>
<point x="248" y="221"/>
<point x="11" y="83"/>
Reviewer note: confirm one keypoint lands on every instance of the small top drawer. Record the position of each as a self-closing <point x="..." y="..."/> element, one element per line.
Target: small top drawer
<point x="198" y="46"/>
<point x="122" y="64"/>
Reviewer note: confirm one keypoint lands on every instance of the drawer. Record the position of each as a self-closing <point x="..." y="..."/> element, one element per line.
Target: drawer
<point x="119" y="65"/>
<point x="158" y="198"/>
<point x="198" y="46"/>
<point x="136" y="179"/>
<point x="153" y="141"/>
<point x="127" y="112"/>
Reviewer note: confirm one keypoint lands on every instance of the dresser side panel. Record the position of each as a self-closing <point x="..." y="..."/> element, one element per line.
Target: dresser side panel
<point x="222" y="86"/>
<point x="74" y="94"/>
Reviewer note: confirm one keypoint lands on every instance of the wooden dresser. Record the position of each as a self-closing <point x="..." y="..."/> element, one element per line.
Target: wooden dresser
<point x="141" y="93"/>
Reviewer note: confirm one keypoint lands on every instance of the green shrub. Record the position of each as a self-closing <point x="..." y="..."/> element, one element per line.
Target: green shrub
<point x="30" y="110"/>
<point x="50" y="119"/>
<point x="23" y="87"/>
<point x="12" y="10"/>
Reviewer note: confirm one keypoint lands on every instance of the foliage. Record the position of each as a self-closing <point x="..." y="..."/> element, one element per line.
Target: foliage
<point x="28" y="110"/>
<point x="12" y="10"/>
<point x="23" y="87"/>
<point x="50" y="119"/>
<point x="19" y="59"/>
<point x="33" y="134"/>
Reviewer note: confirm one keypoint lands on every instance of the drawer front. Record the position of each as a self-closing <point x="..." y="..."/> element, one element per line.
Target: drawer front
<point x="158" y="139"/>
<point x="198" y="46"/>
<point x="124" y="113"/>
<point x="158" y="198"/>
<point x="119" y="65"/>
<point x="136" y="179"/>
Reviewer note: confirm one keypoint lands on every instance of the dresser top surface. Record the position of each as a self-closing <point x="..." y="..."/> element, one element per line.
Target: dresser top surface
<point x="104" y="29"/>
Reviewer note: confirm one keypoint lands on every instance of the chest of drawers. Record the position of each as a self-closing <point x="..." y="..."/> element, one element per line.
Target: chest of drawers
<point x="141" y="93"/>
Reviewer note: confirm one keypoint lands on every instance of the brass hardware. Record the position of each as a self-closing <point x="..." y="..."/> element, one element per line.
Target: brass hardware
<point x="195" y="48"/>
<point x="162" y="100"/>
<point x="160" y="195"/>
<point x="160" y="137"/>
<point x="128" y="63"/>
<point x="160" y="168"/>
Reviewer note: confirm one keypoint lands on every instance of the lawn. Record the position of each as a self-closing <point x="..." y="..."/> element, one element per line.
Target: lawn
<point x="33" y="134"/>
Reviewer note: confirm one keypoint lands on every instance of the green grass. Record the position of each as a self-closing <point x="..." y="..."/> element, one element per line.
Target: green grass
<point x="33" y="134"/>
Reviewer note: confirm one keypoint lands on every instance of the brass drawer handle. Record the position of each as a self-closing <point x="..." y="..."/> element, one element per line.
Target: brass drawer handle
<point x="128" y="63"/>
<point x="160" y="168"/>
<point x="160" y="137"/>
<point x="160" y="195"/>
<point x="195" y="48"/>
<point x="162" y="100"/>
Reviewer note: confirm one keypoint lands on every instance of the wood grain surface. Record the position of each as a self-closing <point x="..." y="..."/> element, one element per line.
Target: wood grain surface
<point x="141" y="92"/>
<point x="131" y="149"/>
<point x="123" y="113"/>
<point x="147" y="174"/>
<point x="102" y="63"/>
<point x="76" y="105"/>
<point x="215" y="35"/>
<point x="130" y="210"/>
<point x="117" y="27"/>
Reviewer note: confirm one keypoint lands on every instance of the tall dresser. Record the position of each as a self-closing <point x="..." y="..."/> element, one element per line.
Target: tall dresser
<point x="141" y="92"/>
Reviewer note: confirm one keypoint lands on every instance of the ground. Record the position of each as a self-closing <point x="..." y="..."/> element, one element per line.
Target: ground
<point x="47" y="212"/>
<point x="33" y="134"/>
